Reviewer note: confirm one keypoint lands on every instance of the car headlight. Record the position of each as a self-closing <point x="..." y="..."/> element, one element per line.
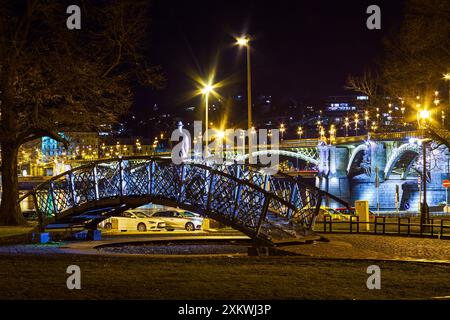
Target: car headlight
<point x="161" y="225"/>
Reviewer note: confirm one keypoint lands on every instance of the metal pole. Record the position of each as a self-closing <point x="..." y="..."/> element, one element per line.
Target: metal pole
<point x="377" y="186"/>
<point x="249" y="104"/>
<point x="249" y="89"/>
<point x="424" y="213"/>
<point x="207" y="124"/>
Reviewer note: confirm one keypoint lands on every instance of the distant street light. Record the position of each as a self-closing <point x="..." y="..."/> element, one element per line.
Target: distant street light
<point x="300" y="132"/>
<point x="447" y="78"/>
<point x="346" y="123"/>
<point x="332" y="134"/>
<point x="282" y="130"/>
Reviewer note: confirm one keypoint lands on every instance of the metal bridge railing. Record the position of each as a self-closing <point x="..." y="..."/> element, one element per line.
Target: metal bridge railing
<point x="241" y="196"/>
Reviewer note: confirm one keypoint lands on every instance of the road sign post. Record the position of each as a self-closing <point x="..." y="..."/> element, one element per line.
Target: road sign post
<point x="446" y="185"/>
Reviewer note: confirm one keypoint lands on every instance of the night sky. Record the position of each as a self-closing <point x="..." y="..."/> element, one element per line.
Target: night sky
<point x="302" y="49"/>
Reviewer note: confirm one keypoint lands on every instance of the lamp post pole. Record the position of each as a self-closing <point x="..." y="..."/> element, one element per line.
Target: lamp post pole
<point x="207" y="123"/>
<point x="249" y="90"/>
<point x="244" y="41"/>
<point x="424" y="215"/>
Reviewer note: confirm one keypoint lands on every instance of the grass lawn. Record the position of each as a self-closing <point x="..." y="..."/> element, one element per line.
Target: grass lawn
<point x="7" y="231"/>
<point x="44" y="277"/>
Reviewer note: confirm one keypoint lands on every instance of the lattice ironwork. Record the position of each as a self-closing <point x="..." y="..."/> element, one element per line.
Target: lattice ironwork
<point x="241" y="196"/>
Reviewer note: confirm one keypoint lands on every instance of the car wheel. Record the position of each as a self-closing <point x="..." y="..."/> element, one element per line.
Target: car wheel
<point x="142" y="227"/>
<point x="190" y="226"/>
<point x="108" y="226"/>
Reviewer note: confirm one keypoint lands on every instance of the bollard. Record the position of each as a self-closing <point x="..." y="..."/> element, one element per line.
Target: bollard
<point x="362" y="211"/>
<point x="44" y="237"/>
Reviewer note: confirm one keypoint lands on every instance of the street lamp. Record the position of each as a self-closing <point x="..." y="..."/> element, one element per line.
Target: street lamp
<point x="356" y="123"/>
<point x="446" y="77"/>
<point x="206" y="91"/>
<point x="346" y="123"/>
<point x="282" y="130"/>
<point x="378" y="116"/>
<point x="424" y="212"/>
<point x="332" y="134"/>
<point x="244" y="41"/>
<point x="424" y="115"/>
<point x="300" y="132"/>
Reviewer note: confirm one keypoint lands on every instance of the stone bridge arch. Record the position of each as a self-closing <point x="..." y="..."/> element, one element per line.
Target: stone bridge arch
<point x="354" y="162"/>
<point x="404" y="156"/>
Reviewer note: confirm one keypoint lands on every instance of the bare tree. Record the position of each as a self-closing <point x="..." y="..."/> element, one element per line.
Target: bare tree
<point x="369" y="84"/>
<point x="419" y="52"/>
<point x="53" y="79"/>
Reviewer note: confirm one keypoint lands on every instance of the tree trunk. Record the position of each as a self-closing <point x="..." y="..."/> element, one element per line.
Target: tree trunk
<point x="10" y="213"/>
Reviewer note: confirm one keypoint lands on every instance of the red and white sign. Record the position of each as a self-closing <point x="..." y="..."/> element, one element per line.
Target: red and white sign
<point x="446" y="183"/>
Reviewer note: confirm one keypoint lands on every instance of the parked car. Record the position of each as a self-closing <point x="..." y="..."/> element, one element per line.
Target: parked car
<point x="326" y="211"/>
<point x="133" y="220"/>
<point x="175" y="219"/>
<point x="346" y="211"/>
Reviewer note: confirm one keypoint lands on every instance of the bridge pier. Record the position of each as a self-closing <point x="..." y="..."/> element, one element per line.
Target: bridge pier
<point x="356" y="181"/>
<point x="334" y="180"/>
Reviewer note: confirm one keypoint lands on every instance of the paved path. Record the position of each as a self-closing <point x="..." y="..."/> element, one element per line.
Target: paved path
<point x="345" y="246"/>
<point x="340" y="246"/>
<point x="89" y="247"/>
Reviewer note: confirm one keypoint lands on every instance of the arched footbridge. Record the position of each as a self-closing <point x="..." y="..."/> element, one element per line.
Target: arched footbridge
<point x="264" y="207"/>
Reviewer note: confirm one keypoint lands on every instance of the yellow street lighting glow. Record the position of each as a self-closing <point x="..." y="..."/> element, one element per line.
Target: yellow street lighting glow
<point x="207" y="89"/>
<point x="242" y="41"/>
<point x="220" y="134"/>
<point x="424" y="114"/>
<point x="447" y="76"/>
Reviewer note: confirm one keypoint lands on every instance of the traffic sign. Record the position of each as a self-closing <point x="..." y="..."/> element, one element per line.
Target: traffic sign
<point x="446" y="183"/>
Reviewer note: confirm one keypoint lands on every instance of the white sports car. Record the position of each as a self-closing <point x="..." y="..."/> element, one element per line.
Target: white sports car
<point x="133" y="220"/>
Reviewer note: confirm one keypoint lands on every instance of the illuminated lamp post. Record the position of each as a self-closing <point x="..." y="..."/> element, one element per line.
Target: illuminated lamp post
<point x="424" y="116"/>
<point x="346" y="124"/>
<point x="300" y="132"/>
<point x="282" y="130"/>
<point x="206" y="91"/>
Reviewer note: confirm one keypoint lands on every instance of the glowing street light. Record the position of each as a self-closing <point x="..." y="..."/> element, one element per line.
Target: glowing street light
<point x="332" y="134"/>
<point x="446" y="77"/>
<point x="346" y="124"/>
<point x="300" y="132"/>
<point x="424" y="114"/>
<point x="244" y="41"/>
<point x="282" y="130"/>
<point x="220" y="134"/>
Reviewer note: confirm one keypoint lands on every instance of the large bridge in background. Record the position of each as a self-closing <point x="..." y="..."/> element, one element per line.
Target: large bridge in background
<point x="347" y="167"/>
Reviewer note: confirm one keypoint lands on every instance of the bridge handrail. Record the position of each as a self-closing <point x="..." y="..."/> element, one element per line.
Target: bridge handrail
<point x="199" y="165"/>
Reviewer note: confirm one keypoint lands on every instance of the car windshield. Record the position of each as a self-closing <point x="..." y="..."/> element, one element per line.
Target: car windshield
<point x="188" y="214"/>
<point x="140" y="215"/>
